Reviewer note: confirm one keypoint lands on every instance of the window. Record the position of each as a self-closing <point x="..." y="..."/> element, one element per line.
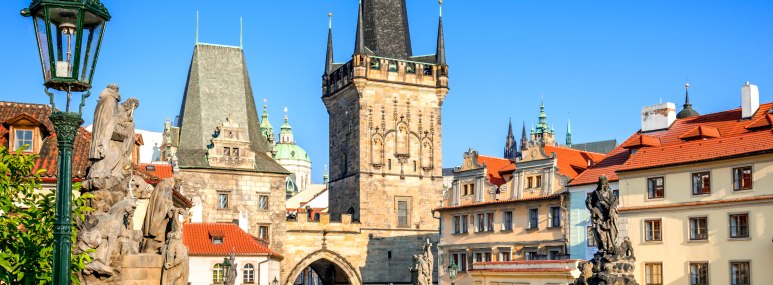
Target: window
<point x="481" y="256"/>
<point x="217" y="240"/>
<point x="507" y="220"/>
<point x="531" y="254"/>
<point x="222" y="201"/>
<point x="249" y="273"/>
<point x="653" y="274"/>
<point x="389" y="164"/>
<point x="235" y="152"/>
<point x="529" y="181"/>
<point x="701" y="183"/>
<point x="740" y="273"/>
<point x="555" y="217"/>
<point x="22" y="138"/>
<point x="699" y="273"/>
<point x="469" y="189"/>
<point x="655" y="188"/>
<point x="504" y="254"/>
<point x="742" y="178"/>
<point x="392" y="66"/>
<point x="490" y="222"/>
<point x="590" y="236"/>
<point x="479" y="222"/>
<point x="402" y="214"/>
<point x="460" y="224"/>
<point x="652" y="230"/>
<point x="484" y="222"/>
<point x="538" y="179"/>
<point x="460" y="259"/>
<point x="226" y="151"/>
<point x="375" y="64"/>
<point x="263" y="202"/>
<point x="554" y="254"/>
<point x="263" y="232"/>
<point x="414" y="166"/>
<point x="739" y="225"/>
<point x="410" y="68"/>
<point x="533" y="218"/>
<point x="699" y="228"/>
<point x="217" y="274"/>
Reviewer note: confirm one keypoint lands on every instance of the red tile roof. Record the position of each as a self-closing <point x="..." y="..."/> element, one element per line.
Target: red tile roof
<point x="496" y="202"/>
<point x="48" y="156"/>
<point x="639" y="140"/>
<point x="159" y="170"/>
<point x="572" y="162"/>
<point x="198" y="238"/>
<point x="701" y="132"/>
<point x="738" y="138"/>
<point x="697" y="203"/>
<point x="493" y="165"/>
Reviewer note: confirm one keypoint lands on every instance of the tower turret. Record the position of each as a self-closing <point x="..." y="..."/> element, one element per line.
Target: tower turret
<point x="568" y="133"/>
<point x="687" y="110"/>
<point x="510" y="146"/>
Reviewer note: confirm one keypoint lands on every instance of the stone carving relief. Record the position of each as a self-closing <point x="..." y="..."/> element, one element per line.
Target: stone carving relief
<point x="423" y="264"/>
<point x="404" y="145"/>
<point x="230" y="147"/>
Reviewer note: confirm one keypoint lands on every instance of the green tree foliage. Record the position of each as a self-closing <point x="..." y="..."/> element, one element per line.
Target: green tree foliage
<point x="27" y="223"/>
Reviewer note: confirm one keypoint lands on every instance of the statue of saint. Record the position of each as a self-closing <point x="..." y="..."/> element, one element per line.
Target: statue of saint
<point x="157" y="219"/>
<point x="602" y="204"/>
<point x="175" y="271"/>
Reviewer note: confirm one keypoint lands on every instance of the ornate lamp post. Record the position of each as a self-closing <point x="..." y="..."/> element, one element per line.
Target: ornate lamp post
<point x="452" y="268"/>
<point x="275" y="282"/>
<point x="229" y="269"/>
<point x="69" y="34"/>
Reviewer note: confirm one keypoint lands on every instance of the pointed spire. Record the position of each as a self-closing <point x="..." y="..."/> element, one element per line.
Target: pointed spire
<point x="265" y="126"/>
<point x="568" y="132"/>
<point x="286" y="131"/>
<point x="510" y="144"/>
<point x="687" y="110"/>
<point x="524" y="138"/>
<point x="359" y="41"/>
<point x="440" y="54"/>
<point x="329" y="56"/>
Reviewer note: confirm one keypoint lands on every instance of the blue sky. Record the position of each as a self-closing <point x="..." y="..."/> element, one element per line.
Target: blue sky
<point x="597" y="62"/>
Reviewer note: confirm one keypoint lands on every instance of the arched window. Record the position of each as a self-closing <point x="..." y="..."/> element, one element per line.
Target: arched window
<point x="249" y="273"/>
<point x="217" y="274"/>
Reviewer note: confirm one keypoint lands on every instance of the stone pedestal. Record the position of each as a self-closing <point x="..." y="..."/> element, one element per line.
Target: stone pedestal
<point x="142" y="268"/>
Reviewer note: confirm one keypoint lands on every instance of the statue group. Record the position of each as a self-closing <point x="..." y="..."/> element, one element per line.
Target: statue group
<point x="612" y="264"/>
<point x="421" y="271"/>
<point x="107" y="234"/>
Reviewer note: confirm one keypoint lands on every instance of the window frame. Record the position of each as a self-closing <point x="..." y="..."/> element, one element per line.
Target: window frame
<point x="746" y="226"/>
<point x="736" y="180"/>
<point x="652" y="235"/>
<point x="460" y="259"/>
<point x="217" y="273"/>
<point x="505" y="254"/>
<point x="648" y="272"/>
<point x="407" y="202"/>
<point x="552" y="217"/>
<point x="704" y="175"/>
<point x="32" y="141"/>
<point x="263" y="207"/>
<point x="692" y="235"/>
<point x="507" y="221"/>
<point x="248" y="274"/>
<point x="220" y="194"/>
<point x="692" y="275"/>
<point x="531" y="219"/>
<point x="748" y="274"/>
<point x="652" y="190"/>
<point x="267" y="231"/>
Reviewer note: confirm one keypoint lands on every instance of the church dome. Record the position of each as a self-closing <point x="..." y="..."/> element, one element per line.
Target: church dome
<point x="290" y="151"/>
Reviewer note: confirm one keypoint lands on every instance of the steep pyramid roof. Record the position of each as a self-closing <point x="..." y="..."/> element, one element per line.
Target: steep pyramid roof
<point x="386" y="28"/>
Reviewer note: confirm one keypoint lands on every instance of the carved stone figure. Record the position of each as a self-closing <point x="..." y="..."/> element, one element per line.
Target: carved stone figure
<point x="102" y="234"/>
<point x="421" y="271"/>
<point x="612" y="264"/>
<point x="175" y="271"/>
<point x="160" y="213"/>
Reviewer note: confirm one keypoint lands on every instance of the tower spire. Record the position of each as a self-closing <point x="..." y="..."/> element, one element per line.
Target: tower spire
<point x="510" y="145"/>
<point x="524" y="138"/>
<point x="440" y="54"/>
<point x="359" y="41"/>
<point x="329" y="56"/>
<point x="568" y="132"/>
<point x="687" y="110"/>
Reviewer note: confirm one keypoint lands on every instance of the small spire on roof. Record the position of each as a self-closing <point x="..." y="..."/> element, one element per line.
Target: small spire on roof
<point x="440" y="52"/>
<point x="359" y="40"/>
<point x="568" y="132"/>
<point x="687" y="110"/>
<point x="329" y="55"/>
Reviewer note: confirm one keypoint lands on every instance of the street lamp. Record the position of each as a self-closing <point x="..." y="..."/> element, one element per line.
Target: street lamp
<point x="452" y="268"/>
<point x="69" y="34"/>
<point x="229" y="269"/>
<point x="275" y="282"/>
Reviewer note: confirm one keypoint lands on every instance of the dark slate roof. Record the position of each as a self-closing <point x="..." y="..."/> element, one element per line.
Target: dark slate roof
<point x="386" y="28"/>
<point x="598" y="147"/>
<point x="218" y="85"/>
<point x="430" y="58"/>
<point x="449" y="171"/>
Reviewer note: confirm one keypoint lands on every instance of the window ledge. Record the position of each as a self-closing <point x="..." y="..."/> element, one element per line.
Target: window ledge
<point x="458" y="234"/>
<point x="655" y="199"/>
<point x="554" y="227"/>
<point x="698" y="240"/>
<point x="652" y="242"/>
<point x="508" y="230"/>
<point x="739" y="238"/>
<point x="532" y="229"/>
<point x="743" y="190"/>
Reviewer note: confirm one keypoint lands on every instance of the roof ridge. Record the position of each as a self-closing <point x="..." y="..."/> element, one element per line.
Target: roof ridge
<point x="574" y="149"/>
<point x="728" y="111"/>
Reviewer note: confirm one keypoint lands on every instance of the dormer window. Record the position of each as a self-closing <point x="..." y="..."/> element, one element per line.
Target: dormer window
<point x="217" y="240"/>
<point x="22" y="138"/>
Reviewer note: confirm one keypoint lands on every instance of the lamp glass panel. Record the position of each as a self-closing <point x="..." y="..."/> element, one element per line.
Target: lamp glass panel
<point x="93" y="26"/>
<point x="64" y="24"/>
<point x="41" y="34"/>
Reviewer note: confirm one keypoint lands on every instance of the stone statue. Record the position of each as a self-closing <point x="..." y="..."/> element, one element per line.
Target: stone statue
<point x="175" y="271"/>
<point x="602" y="204"/>
<point x="102" y="234"/>
<point x="160" y="213"/>
<point x="421" y="271"/>
<point x="612" y="264"/>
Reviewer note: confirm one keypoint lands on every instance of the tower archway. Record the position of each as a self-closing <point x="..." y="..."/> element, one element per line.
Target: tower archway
<point x="329" y="268"/>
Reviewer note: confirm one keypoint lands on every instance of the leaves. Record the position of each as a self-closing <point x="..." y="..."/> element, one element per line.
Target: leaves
<point x="27" y="223"/>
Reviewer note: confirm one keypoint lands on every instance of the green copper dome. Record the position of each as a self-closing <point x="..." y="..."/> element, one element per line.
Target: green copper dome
<point x="290" y="151"/>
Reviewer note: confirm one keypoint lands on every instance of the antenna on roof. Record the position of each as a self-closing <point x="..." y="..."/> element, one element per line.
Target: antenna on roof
<point x="241" y="28"/>
<point x="197" y="26"/>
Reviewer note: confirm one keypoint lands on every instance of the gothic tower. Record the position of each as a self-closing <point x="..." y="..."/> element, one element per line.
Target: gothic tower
<point x="385" y="123"/>
<point x="510" y="147"/>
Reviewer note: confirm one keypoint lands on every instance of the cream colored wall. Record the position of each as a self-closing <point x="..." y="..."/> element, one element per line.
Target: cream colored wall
<point x="675" y="250"/>
<point x="520" y="278"/>
<point x="200" y="272"/>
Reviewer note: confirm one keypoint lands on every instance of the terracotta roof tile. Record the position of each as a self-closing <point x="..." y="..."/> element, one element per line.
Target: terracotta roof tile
<point x="640" y="140"/>
<point x="701" y="132"/>
<point x="572" y="162"/>
<point x="159" y="170"/>
<point x="48" y="156"/>
<point x="761" y="122"/>
<point x="480" y="204"/>
<point x="198" y="238"/>
<point x="607" y="166"/>
<point x="697" y="203"/>
<point x="493" y="165"/>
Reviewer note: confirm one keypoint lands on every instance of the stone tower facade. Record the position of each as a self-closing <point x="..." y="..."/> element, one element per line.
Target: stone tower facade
<point x="385" y="124"/>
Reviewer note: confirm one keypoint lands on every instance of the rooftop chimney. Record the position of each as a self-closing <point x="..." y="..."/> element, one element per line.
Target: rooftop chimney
<point x="750" y="100"/>
<point x="657" y="117"/>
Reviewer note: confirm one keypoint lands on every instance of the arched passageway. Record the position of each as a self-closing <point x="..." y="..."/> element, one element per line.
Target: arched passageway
<point x="323" y="268"/>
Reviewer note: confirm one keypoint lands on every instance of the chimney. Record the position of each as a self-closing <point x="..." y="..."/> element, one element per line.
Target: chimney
<point x="750" y="100"/>
<point x="657" y="117"/>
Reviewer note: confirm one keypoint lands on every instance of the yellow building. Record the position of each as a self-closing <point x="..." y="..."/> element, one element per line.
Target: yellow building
<point x="697" y="195"/>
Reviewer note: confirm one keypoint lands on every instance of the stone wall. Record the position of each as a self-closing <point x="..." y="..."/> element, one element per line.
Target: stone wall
<point x="243" y="189"/>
